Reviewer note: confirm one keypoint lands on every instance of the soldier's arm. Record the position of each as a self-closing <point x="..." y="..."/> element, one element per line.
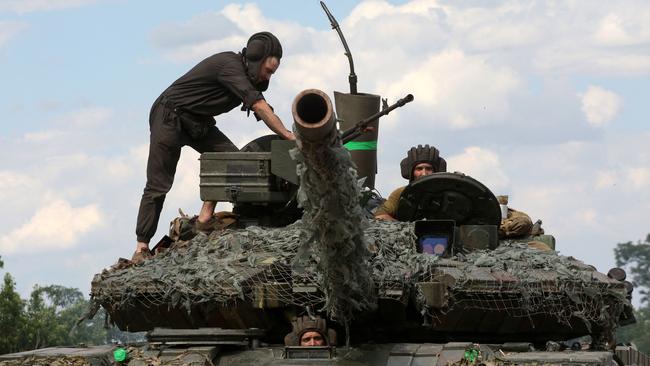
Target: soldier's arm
<point x="389" y="207"/>
<point x="263" y="110"/>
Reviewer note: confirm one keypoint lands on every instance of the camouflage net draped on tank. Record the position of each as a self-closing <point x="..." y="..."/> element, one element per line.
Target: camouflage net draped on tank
<point x="238" y="265"/>
<point x="329" y="196"/>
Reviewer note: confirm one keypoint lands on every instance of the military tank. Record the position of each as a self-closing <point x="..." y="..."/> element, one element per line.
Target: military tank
<point x="437" y="288"/>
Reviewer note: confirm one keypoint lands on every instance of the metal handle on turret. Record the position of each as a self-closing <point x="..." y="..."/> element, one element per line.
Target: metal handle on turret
<point x="358" y="129"/>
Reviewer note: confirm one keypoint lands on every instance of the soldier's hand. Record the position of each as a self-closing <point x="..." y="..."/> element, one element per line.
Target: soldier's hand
<point x="289" y="136"/>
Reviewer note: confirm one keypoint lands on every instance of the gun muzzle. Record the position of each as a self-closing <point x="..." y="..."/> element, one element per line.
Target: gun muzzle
<point x="313" y="115"/>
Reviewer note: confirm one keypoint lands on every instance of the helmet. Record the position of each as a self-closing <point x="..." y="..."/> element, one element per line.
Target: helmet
<point x="422" y="154"/>
<point x="304" y="324"/>
<point x="260" y="46"/>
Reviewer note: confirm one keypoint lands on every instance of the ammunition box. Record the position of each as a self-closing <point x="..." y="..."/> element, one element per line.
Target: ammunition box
<point x="239" y="177"/>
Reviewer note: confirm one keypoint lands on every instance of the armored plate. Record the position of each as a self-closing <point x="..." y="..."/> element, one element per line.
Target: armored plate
<point x="449" y="196"/>
<point x="393" y="354"/>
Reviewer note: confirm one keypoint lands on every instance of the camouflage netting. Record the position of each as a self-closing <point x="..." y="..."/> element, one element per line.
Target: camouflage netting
<point x="229" y="266"/>
<point x="523" y="282"/>
<point x="329" y="196"/>
<point x="49" y="361"/>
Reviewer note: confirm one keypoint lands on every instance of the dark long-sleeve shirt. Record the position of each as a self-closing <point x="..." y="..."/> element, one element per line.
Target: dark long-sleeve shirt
<point x="214" y="86"/>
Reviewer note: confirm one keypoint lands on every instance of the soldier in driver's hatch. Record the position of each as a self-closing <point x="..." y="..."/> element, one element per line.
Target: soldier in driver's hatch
<point x="420" y="161"/>
<point x="183" y="115"/>
<point x="308" y="332"/>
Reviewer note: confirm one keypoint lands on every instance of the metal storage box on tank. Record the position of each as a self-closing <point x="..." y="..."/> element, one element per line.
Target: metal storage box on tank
<point x="238" y="177"/>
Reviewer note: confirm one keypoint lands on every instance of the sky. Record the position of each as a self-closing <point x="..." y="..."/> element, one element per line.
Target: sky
<point x="539" y="100"/>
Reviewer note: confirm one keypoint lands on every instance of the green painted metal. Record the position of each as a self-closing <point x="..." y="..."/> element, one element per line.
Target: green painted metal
<point x="361" y="145"/>
<point x="350" y="109"/>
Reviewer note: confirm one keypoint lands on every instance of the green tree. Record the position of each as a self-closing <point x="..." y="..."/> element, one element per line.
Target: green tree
<point x="12" y="317"/>
<point x="91" y="332"/>
<point x="48" y="318"/>
<point x="52" y="312"/>
<point x="635" y="258"/>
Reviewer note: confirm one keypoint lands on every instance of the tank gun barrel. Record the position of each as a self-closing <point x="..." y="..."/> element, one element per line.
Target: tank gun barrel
<point x="329" y="195"/>
<point x="313" y="115"/>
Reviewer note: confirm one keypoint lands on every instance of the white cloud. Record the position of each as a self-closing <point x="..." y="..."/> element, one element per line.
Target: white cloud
<point x="639" y="177"/>
<point x="464" y="90"/>
<point x="185" y="191"/>
<point x="247" y="16"/>
<point x="42" y="136"/>
<point x="586" y="216"/>
<point x="8" y="30"/>
<point x="199" y="29"/>
<point x="226" y="30"/>
<point x="28" y="6"/>
<point x="600" y="106"/>
<point x="606" y="179"/>
<point x="628" y="179"/>
<point x="612" y="30"/>
<point x="10" y="182"/>
<point x="56" y="225"/>
<point x="625" y="27"/>
<point x="481" y="164"/>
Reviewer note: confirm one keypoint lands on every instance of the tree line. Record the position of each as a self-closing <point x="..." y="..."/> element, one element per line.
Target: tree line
<point x="635" y="258"/>
<point x="48" y="317"/>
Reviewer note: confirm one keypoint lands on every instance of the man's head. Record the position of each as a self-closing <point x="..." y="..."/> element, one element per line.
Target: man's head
<point x="309" y="331"/>
<point x="421" y="161"/>
<point x="262" y="56"/>
<point x="421" y="170"/>
<point x="312" y="338"/>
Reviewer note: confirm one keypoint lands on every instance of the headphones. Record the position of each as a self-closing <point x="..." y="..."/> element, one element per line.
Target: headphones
<point x="255" y="50"/>
<point x="262" y="45"/>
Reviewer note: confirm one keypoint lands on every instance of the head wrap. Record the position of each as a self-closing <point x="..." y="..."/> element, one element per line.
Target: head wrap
<point x="260" y="46"/>
<point x="422" y="154"/>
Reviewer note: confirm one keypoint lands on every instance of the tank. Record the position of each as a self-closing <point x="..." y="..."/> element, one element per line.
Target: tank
<point x="438" y="288"/>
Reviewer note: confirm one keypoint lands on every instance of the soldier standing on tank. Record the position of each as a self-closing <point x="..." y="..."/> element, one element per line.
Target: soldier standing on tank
<point x="420" y="161"/>
<point x="183" y="115"/>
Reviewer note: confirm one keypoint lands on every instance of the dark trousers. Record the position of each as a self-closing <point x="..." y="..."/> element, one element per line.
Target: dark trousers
<point x="165" y="143"/>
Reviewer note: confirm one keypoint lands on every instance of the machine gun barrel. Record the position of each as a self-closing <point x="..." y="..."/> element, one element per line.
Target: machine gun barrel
<point x="359" y="127"/>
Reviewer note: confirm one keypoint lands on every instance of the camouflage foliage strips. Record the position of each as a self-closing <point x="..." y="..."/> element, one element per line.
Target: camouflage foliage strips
<point x="226" y="267"/>
<point x="329" y="196"/>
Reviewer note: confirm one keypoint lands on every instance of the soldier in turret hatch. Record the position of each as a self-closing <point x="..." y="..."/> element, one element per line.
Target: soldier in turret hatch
<point x="183" y="115"/>
<point x="308" y="332"/>
<point x="420" y="161"/>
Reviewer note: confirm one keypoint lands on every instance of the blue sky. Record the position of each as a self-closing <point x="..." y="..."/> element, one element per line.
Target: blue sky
<point x="543" y="101"/>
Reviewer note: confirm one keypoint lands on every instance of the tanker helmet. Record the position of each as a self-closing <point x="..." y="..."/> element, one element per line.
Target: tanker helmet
<point x="260" y="46"/>
<point x="304" y="324"/>
<point x="422" y="154"/>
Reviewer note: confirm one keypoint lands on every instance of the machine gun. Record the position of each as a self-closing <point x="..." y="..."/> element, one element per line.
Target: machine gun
<point x="360" y="127"/>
